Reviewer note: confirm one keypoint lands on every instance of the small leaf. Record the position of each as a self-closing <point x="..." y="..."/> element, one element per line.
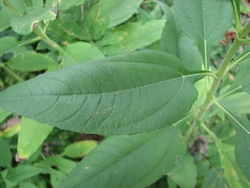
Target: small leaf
<point x="64" y="165"/>
<point x="205" y="22"/>
<point x="79" y="149"/>
<point x="23" y="172"/>
<point x="10" y="131"/>
<point x="24" y="24"/>
<point x="31" y="61"/>
<point x="116" y="95"/>
<point x="119" y="10"/>
<point x="3" y="115"/>
<point x="185" y="172"/>
<point x="135" y="36"/>
<point x="10" y="44"/>
<point x="128" y="161"/>
<point x="31" y="136"/>
<point x="27" y="185"/>
<point x="5" y="157"/>
<point x="80" y="52"/>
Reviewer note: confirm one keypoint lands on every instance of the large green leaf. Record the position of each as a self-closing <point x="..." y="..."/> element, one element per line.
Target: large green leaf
<point x="132" y="93"/>
<point x="118" y="10"/>
<point x="31" y="136"/>
<point x="128" y="161"/>
<point x="204" y="22"/>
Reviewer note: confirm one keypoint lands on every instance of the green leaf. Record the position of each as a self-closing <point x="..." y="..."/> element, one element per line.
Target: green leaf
<point x="205" y="22"/>
<point x="3" y="115"/>
<point x="10" y="44"/>
<point x="128" y="161"/>
<point x="31" y="61"/>
<point x="6" y="14"/>
<point x="242" y="79"/>
<point x="66" y="4"/>
<point x="10" y="131"/>
<point x="185" y="172"/>
<point x="119" y="10"/>
<point x="2" y="182"/>
<point x="31" y="136"/>
<point x="116" y="95"/>
<point x="173" y="41"/>
<point x="233" y="174"/>
<point x="242" y="150"/>
<point x="5" y="157"/>
<point x="56" y="177"/>
<point x="135" y="36"/>
<point x="79" y="149"/>
<point x="23" y="172"/>
<point x="80" y="52"/>
<point x="64" y="165"/>
<point x="90" y="27"/>
<point x="27" y="185"/>
<point x="25" y="24"/>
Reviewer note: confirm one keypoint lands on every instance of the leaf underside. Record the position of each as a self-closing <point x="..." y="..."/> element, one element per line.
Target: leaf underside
<point x="127" y="94"/>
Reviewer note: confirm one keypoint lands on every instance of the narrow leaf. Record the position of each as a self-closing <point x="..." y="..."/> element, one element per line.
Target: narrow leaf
<point x="116" y="95"/>
<point x="128" y="161"/>
<point x="205" y="22"/>
<point x="5" y="157"/>
<point x="31" y="136"/>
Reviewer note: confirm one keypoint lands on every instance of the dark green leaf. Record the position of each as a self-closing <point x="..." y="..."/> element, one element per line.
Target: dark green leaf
<point x="205" y="22"/>
<point x="5" y="157"/>
<point x="128" y="161"/>
<point x="117" y="95"/>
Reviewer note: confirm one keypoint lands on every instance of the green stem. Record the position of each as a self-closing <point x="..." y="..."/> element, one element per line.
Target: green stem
<point x="223" y="70"/>
<point x="13" y="74"/>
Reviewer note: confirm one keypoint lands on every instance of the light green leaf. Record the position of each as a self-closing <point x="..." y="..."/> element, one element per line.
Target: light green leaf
<point x="205" y="22"/>
<point x="56" y="177"/>
<point x="242" y="150"/>
<point x="135" y="36"/>
<point x="128" y="161"/>
<point x="27" y="185"/>
<point x="80" y="52"/>
<point x="79" y="149"/>
<point x="5" y="157"/>
<point x="31" y="61"/>
<point x="66" y="4"/>
<point x="233" y="174"/>
<point x="23" y="172"/>
<point x="116" y="95"/>
<point x="10" y="131"/>
<point x="31" y="136"/>
<point x="185" y="172"/>
<point x="10" y="44"/>
<point x="25" y="24"/>
<point x="7" y="14"/>
<point x="118" y="10"/>
<point x="64" y="165"/>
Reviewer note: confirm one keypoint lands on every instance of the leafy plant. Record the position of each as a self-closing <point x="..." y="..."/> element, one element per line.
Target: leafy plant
<point x="166" y="110"/>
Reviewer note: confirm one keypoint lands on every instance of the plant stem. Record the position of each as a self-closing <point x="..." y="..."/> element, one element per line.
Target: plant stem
<point x="223" y="70"/>
<point x="11" y="7"/>
<point x="13" y="74"/>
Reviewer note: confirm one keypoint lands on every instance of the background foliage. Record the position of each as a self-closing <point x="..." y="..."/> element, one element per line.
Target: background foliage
<point x="162" y="120"/>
